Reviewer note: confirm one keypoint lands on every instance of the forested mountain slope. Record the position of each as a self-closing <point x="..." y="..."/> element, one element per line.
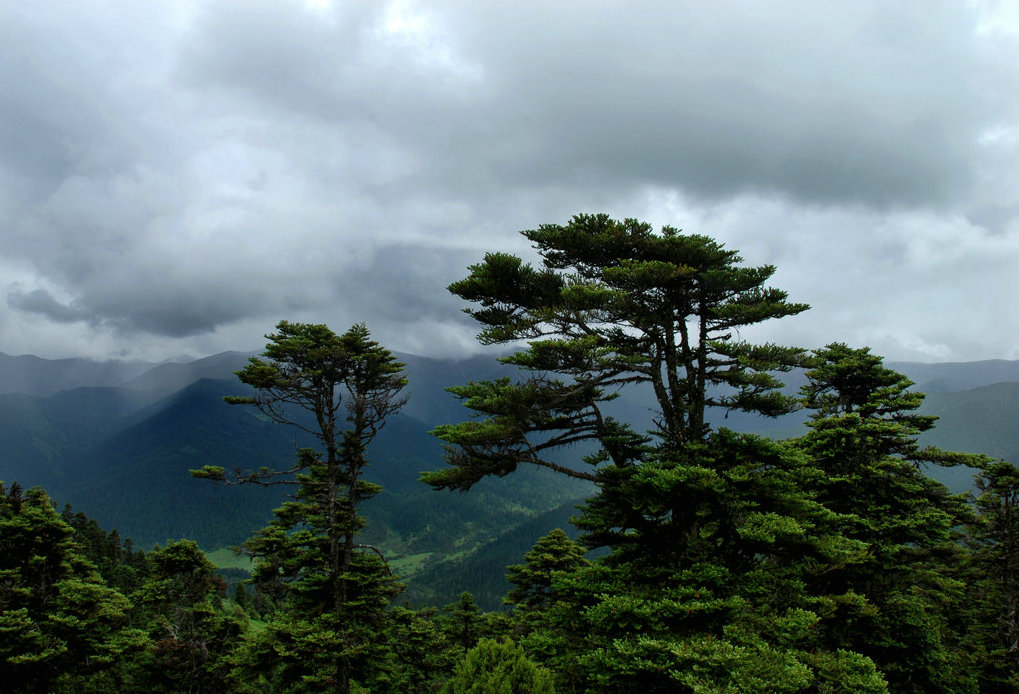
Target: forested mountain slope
<point x="122" y="446"/>
<point x="124" y="453"/>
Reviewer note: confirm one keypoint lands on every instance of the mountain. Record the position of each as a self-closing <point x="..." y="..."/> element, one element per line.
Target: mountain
<point x="951" y="377"/>
<point x="428" y="379"/>
<point x="31" y="375"/>
<point x="484" y="569"/>
<point x="979" y="420"/>
<point x="122" y="453"/>
<point x="41" y="435"/>
<point x="117" y="440"/>
<point x="172" y="376"/>
<point x="137" y="479"/>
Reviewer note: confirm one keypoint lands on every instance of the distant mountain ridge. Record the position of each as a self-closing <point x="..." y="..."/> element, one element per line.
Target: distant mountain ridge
<point x="170" y="376"/>
<point x="116" y="440"/>
<point x="952" y="377"/>
<point x="33" y="375"/>
<point x="120" y="447"/>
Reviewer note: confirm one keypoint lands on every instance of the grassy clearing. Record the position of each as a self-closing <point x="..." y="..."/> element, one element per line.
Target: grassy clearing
<point x="409" y="565"/>
<point x="224" y="558"/>
<point x="257" y="626"/>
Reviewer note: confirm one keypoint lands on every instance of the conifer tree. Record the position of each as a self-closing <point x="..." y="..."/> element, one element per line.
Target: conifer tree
<point x="339" y="389"/>
<point x="552" y="555"/>
<point x="464" y="622"/>
<point x="421" y="653"/>
<point x="241" y="597"/>
<point x="120" y="566"/>
<point x="712" y="535"/>
<point x="993" y="577"/>
<point x="61" y="626"/>
<point x="498" y="667"/>
<point x="180" y="604"/>
<point x="863" y="440"/>
<point x="614" y="304"/>
<point x="708" y="586"/>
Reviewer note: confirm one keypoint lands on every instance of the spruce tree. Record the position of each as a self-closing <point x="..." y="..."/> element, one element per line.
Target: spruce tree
<point x="863" y="440"/>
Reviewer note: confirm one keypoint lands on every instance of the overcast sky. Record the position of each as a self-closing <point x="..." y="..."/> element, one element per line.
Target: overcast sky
<point x="176" y="177"/>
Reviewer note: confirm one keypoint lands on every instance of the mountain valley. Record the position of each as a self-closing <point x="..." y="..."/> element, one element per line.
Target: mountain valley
<point x="117" y="441"/>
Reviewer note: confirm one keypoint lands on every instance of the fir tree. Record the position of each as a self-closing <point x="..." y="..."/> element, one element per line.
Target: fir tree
<point x="994" y="579"/>
<point x="464" y="621"/>
<point x="863" y="439"/>
<point x="709" y="583"/>
<point x="615" y="304"/>
<point x="713" y="536"/>
<point x="553" y="555"/>
<point x="421" y="653"/>
<point x="339" y="389"/>
<point x="61" y="626"/>
<point x="180" y="604"/>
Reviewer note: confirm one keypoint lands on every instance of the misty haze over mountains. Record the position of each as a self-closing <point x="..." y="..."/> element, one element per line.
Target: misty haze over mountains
<point x="116" y="440"/>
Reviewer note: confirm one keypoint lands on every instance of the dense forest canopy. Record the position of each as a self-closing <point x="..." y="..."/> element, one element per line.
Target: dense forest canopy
<point x="707" y="561"/>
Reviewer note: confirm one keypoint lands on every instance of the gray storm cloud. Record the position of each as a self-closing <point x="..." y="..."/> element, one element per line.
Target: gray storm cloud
<point x="856" y="103"/>
<point x="179" y="170"/>
<point x="42" y="302"/>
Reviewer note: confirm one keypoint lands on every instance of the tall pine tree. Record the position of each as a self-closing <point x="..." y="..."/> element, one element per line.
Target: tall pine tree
<point x="863" y="439"/>
<point x="340" y="389"/>
<point x="614" y="304"/>
<point x="712" y="536"/>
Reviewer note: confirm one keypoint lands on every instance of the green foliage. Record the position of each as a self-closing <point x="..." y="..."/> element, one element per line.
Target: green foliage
<point x="421" y="652"/>
<point x="241" y="598"/>
<point x="993" y="576"/>
<point x="498" y="667"/>
<point x="464" y="622"/>
<point x="119" y="564"/>
<point x="292" y="654"/>
<point x="847" y="385"/>
<point x="863" y="439"/>
<point x="61" y="626"/>
<point x="735" y="563"/>
<point x="711" y="582"/>
<point x="552" y="556"/>
<point x="478" y="564"/>
<point x="615" y="304"/>
<point x="340" y="390"/>
<point x="731" y="563"/>
<point x="180" y="603"/>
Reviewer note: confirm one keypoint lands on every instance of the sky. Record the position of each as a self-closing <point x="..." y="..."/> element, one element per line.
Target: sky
<point x="176" y="177"/>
